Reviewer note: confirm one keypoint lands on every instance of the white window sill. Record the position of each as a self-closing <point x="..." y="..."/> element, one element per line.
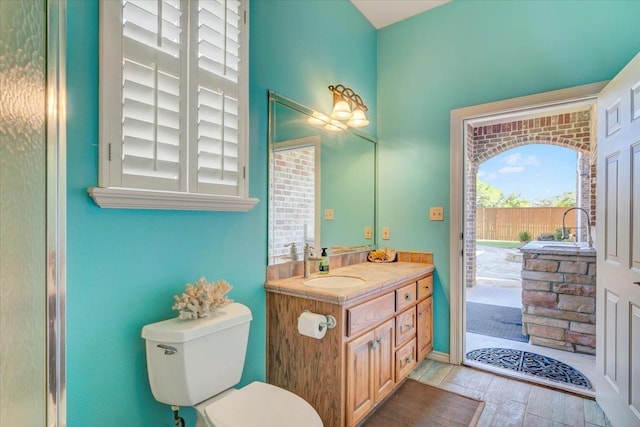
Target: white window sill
<point x="126" y="198"/>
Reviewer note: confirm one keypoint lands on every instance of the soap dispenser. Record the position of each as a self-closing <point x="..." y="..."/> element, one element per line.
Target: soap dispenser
<point x="323" y="268"/>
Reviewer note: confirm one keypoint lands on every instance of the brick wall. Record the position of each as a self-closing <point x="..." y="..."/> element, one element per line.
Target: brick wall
<point x="293" y="205"/>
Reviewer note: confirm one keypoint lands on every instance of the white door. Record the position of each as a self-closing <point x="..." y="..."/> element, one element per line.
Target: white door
<point x="618" y="248"/>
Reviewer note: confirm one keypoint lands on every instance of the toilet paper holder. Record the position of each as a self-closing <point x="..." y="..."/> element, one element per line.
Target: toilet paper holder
<point x="330" y="323"/>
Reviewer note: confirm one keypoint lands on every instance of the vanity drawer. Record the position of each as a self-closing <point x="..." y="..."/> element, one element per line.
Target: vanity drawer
<point x="425" y="287"/>
<point x="370" y="313"/>
<point x="405" y="360"/>
<point x="405" y="296"/>
<point x="405" y="326"/>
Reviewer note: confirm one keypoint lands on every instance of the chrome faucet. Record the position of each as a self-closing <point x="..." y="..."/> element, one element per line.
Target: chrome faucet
<point x="307" y="258"/>
<point x="588" y="223"/>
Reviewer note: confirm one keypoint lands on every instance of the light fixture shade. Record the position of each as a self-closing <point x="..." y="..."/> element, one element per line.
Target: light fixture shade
<point x="335" y="126"/>
<point x="358" y="119"/>
<point x="318" y="119"/>
<point x="341" y="110"/>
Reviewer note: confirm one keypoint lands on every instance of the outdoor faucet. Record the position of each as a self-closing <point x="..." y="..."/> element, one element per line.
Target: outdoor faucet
<point x="307" y="258"/>
<point x="588" y="223"/>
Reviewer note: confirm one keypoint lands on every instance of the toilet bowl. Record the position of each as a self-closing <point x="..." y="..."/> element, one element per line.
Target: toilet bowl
<point x="198" y="362"/>
<point x="257" y="404"/>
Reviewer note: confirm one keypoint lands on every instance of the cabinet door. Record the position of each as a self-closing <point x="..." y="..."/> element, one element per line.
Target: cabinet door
<point x="425" y="327"/>
<point x="360" y="379"/>
<point x="383" y="365"/>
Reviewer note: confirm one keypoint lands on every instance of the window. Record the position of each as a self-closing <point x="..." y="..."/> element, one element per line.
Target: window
<point x="173" y="105"/>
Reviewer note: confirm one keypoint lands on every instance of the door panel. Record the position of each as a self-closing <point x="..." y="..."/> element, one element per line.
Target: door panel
<point x="611" y="214"/>
<point x="635" y="205"/>
<point x="618" y="201"/>
<point x="611" y="338"/>
<point x="634" y="378"/>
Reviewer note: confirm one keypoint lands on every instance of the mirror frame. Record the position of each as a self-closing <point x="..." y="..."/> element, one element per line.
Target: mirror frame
<point x="276" y="98"/>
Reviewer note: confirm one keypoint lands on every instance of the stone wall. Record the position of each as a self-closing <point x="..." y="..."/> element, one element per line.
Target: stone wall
<point x="559" y="299"/>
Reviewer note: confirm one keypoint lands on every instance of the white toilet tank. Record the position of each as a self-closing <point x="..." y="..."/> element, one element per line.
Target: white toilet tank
<point x="189" y="361"/>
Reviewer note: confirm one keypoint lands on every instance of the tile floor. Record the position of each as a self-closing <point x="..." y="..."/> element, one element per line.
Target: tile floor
<point x="509" y="402"/>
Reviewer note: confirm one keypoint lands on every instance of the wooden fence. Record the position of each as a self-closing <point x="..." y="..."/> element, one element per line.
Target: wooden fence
<point x="507" y="223"/>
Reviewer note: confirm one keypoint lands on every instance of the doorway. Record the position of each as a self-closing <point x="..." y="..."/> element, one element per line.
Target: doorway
<point x="511" y="321"/>
<point x="475" y="121"/>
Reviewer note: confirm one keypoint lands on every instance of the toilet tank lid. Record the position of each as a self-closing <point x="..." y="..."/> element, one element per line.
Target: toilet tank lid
<point x="182" y="330"/>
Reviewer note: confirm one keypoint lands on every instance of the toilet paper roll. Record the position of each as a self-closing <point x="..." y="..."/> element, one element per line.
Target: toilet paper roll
<point x="311" y="325"/>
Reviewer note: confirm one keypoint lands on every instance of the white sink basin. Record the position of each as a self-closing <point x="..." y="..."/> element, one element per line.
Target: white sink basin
<point x="335" y="282"/>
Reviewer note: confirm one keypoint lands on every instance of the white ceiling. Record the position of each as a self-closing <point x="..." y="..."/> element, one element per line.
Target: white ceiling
<point x="386" y="12"/>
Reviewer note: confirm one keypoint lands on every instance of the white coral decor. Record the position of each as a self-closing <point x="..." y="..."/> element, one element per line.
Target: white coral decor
<point x="202" y="299"/>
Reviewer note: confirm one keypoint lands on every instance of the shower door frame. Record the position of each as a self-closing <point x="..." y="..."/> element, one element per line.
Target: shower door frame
<point x="56" y="212"/>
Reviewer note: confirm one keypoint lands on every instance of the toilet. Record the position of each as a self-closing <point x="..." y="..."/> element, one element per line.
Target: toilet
<point x="197" y="363"/>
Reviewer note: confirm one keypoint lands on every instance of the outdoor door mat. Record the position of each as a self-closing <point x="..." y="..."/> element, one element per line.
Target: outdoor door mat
<point x="495" y="321"/>
<point x="530" y="363"/>
<point x="416" y="404"/>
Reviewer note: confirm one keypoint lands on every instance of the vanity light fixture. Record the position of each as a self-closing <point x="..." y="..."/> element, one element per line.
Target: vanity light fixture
<point x="348" y="110"/>
<point x="348" y="105"/>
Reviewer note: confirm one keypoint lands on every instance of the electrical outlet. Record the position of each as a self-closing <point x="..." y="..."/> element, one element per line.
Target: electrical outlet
<point x="328" y="215"/>
<point x="367" y="233"/>
<point x="386" y="234"/>
<point x="436" y="214"/>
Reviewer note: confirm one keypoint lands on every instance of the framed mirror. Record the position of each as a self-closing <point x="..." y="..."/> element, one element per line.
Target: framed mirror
<point x="322" y="185"/>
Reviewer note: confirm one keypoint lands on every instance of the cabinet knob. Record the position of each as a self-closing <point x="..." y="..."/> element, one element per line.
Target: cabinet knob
<point x="407" y="297"/>
<point x="409" y="359"/>
<point x="375" y="344"/>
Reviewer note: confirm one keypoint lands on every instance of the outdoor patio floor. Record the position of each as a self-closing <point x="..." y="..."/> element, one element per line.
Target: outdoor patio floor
<point x="498" y="283"/>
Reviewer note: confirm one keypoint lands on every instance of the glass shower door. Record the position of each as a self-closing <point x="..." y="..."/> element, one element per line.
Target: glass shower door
<point x="23" y="259"/>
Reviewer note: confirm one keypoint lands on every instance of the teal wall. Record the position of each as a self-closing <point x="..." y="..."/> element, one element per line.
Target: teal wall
<point x="124" y="266"/>
<point x="466" y="53"/>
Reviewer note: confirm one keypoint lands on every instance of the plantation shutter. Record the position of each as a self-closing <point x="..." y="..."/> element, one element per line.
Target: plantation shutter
<point x="173" y="107"/>
<point x="153" y="87"/>
<point x="216" y="95"/>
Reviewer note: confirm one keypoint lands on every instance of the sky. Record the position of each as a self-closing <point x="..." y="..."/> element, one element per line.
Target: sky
<point x="536" y="171"/>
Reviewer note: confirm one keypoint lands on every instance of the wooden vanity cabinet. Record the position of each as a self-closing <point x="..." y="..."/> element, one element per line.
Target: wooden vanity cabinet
<point x="378" y="341"/>
<point x="424" y="312"/>
<point x="370" y="370"/>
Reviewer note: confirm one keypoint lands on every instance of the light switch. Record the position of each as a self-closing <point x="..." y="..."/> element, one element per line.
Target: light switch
<point x="386" y="234"/>
<point x="367" y="232"/>
<point x="436" y="213"/>
<point x="328" y="214"/>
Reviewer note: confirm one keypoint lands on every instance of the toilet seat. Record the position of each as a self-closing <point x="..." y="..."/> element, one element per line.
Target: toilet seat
<point x="261" y="404"/>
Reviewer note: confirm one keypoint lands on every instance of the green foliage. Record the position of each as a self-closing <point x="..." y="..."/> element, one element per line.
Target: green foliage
<point x="515" y="201"/>
<point x="558" y="234"/>
<point x="546" y="237"/>
<point x="498" y="243"/>
<point x="524" y="236"/>
<point x="566" y="199"/>
<point x="486" y="195"/>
